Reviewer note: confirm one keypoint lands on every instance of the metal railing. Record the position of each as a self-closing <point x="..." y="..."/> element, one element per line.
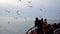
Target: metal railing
<point x="57" y="31"/>
<point x="31" y="29"/>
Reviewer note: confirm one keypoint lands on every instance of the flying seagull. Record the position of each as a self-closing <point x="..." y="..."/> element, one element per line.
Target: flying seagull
<point x="18" y="13"/>
<point x="29" y="6"/>
<point x="20" y="0"/>
<point x="41" y="9"/>
<point x="58" y="12"/>
<point x="15" y="18"/>
<point x="7" y="11"/>
<point x="8" y="22"/>
<point x="29" y="1"/>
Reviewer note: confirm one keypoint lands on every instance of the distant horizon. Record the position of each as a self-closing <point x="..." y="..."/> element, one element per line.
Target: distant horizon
<point x="1" y="17"/>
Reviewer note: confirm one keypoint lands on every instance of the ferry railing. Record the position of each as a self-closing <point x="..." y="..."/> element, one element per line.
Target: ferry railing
<point x="31" y="30"/>
<point x="57" y="31"/>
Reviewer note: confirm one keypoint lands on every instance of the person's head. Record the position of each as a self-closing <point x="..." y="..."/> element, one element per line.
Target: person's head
<point x="41" y="19"/>
<point x="45" y="19"/>
<point x="48" y="26"/>
<point x="36" y="18"/>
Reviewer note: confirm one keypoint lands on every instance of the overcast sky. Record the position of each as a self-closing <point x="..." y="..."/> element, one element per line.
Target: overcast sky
<point x="50" y="8"/>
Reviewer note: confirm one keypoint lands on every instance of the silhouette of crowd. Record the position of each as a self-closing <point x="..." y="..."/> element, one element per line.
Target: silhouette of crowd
<point x="44" y="28"/>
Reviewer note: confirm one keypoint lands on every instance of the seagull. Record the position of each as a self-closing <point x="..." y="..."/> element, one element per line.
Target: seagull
<point x="58" y="12"/>
<point x="18" y="13"/>
<point x="29" y="6"/>
<point x="8" y="22"/>
<point x="15" y="18"/>
<point x="20" y="0"/>
<point x="41" y="9"/>
<point x="7" y="11"/>
<point x="29" y="1"/>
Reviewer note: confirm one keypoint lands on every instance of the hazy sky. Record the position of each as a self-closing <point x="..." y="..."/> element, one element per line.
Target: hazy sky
<point x="40" y="8"/>
<point x="50" y="8"/>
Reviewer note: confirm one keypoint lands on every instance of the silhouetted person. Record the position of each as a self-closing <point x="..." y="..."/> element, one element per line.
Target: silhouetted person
<point x="55" y="26"/>
<point x="45" y="26"/>
<point x="58" y="25"/>
<point x="50" y="30"/>
<point x="38" y="25"/>
<point x="41" y="27"/>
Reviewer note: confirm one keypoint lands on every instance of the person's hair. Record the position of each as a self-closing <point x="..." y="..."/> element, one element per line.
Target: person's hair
<point x="41" y="19"/>
<point x="36" y="18"/>
<point x="45" y="19"/>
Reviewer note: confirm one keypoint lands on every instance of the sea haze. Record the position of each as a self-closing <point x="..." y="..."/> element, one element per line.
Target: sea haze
<point x="17" y="27"/>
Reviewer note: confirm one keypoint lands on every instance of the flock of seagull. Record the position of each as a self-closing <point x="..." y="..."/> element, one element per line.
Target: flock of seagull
<point x="18" y="12"/>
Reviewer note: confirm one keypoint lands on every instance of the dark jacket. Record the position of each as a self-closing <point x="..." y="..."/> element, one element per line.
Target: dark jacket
<point x="37" y="23"/>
